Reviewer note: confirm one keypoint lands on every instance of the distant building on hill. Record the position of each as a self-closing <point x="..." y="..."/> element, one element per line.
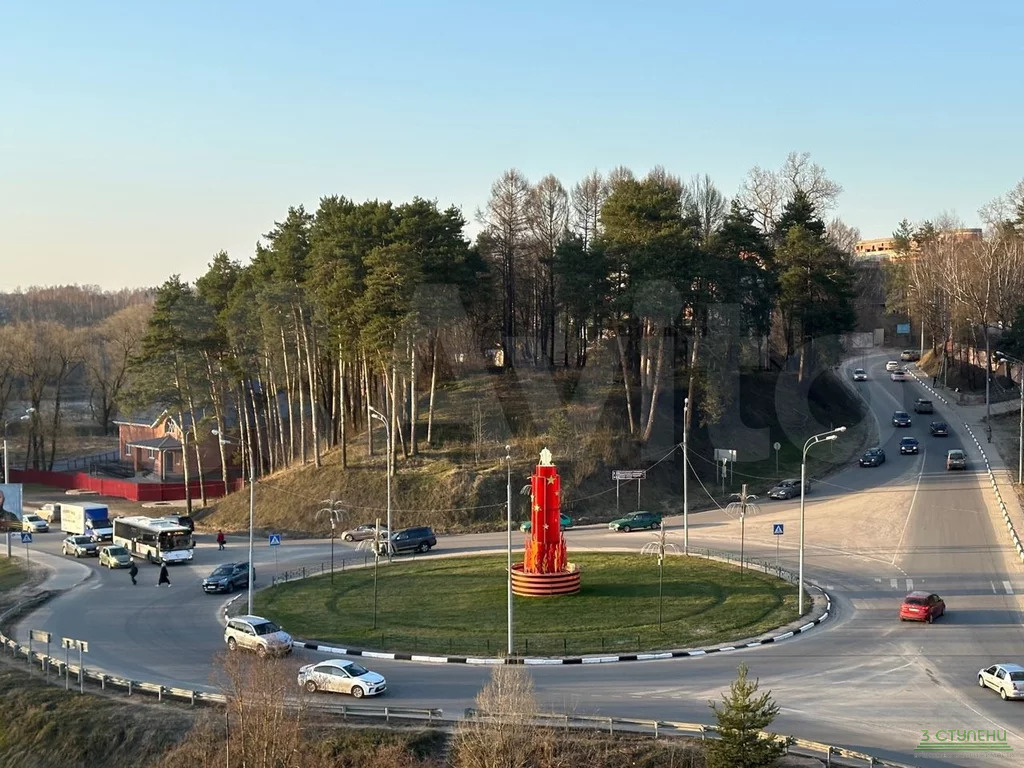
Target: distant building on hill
<point x="883" y="248"/>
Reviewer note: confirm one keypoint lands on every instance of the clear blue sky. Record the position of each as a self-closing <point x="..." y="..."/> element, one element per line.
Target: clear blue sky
<point x="137" y="140"/>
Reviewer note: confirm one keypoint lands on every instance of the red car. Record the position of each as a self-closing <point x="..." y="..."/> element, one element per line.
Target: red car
<point x="922" y="606"/>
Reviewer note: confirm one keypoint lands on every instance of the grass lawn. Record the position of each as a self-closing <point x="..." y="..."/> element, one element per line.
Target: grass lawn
<point x="13" y="574"/>
<point x="458" y="606"/>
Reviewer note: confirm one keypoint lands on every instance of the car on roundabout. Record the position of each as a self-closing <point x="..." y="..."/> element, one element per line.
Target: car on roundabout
<point x="114" y="556"/>
<point x="909" y="445"/>
<point x="873" y="457"/>
<point x="362" y="532"/>
<point x="787" y="489"/>
<point x="341" y="676"/>
<point x="564" y="521"/>
<point x="1005" y="679"/>
<point x="228" y="577"/>
<point x="33" y="523"/>
<point x="255" y="633"/>
<point x="860" y="375"/>
<point x="636" y="521"/>
<point x="939" y="429"/>
<point x="79" y="546"/>
<point x="420" y="539"/>
<point x="922" y="606"/>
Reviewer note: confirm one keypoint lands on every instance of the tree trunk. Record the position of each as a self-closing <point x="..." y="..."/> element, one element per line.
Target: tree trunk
<point x="291" y="400"/>
<point x="342" y="416"/>
<point x="433" y="388"/>
<point x="312" y="389"/>
<point x="655" y="388"/>
<point x="366" y="401"/>
<point x="413" y="410"/>
<point x="625" y="382"/>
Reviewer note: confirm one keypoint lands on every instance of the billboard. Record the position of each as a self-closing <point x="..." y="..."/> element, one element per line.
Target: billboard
<point x="10" y="502"/>
<point x="903" y="328"/>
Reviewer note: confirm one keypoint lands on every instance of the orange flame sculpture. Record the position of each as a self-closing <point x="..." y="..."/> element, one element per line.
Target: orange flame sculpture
<point x="545" y="546"/>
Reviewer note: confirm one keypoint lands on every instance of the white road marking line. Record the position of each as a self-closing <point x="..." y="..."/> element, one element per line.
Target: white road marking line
<point x="920" y="474"/>
<point x="910" y="585"/>
<point x="1009" y="588"/>
<point x="994" y="590"/>
<point x="878" y="580"/>
<point x="894" y="583"/>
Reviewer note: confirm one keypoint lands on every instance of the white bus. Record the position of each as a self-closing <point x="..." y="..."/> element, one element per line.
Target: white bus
<point x="155" y="539"/>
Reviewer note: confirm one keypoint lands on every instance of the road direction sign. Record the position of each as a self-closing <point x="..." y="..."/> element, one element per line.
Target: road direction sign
<point x="629" y="474"/>
<point x="776" y="446"/>
<point x="26" y="538"/>
<point x="275" y="539"/>
<point x="777" y="529"/>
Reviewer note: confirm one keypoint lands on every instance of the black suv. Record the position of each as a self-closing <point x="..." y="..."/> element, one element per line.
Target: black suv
<point x="923" y="406"/>
<point x="228" y="578"/>
<point x="409" y="540"/>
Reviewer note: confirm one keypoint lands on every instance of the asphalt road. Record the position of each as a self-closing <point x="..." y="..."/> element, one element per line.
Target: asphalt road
<point x="863" y="680"/>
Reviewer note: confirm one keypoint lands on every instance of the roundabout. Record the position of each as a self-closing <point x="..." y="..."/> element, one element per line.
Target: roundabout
<point x="456" y="606"/>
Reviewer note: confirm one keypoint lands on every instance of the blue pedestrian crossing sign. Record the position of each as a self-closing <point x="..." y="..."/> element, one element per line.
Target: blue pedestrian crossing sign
<point x="26" y="538"/>
<point x="777" y="529"/>
<point x="275" y="539"/>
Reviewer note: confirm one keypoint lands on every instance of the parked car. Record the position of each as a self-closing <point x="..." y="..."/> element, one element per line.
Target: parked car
<point x="873" y="457"/>
<point x="254" y="633"/>
<point x="32" y="523"/>
<point x="956" y="459"/>
<point x="228" y="577"/>
<point x="900" y="419"/>
<point x="860" y="375"/>
<point x="787" y="489"/>
<point x="898" y="375"/>
<point x="115" y="557"/>
<point x="1006" y="679"/>
<point x="563" y="520"/>
<point x="909" y="355"/>
<point x="362" y="532"/>
<point x="341" y="676"/>
<point x="636" y="521"/>
<point x="921" y="405"/>
<point x="922" y="606"/>
<point x="909" y="445"/>
<point x="420" y="539"/>
<point x="79" y="546"/>
<point x="892" y="365"/>
<point x="939" y="429"/>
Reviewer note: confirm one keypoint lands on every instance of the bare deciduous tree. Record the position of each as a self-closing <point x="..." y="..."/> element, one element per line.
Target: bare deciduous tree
<point x="549" y="221"/>
<point x="502" y="733"/>
<point x="703" y="201"/>
<point x="764" y="193"/>
<point x="587" y="198"/>
<point x="842" y="236"/>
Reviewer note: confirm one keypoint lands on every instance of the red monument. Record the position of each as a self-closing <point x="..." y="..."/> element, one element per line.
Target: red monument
<point x="545" y="570"/>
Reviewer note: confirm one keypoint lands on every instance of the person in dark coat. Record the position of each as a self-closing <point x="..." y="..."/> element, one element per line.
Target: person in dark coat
<point x="164" y="578"/>
<point x="133" y="571"/>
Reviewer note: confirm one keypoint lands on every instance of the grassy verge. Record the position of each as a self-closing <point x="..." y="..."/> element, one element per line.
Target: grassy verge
<point x="457" y="606"/>
<point x="13" y="574"/>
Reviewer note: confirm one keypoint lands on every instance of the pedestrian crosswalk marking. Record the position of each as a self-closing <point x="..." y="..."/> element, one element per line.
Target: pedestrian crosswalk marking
<point x="1009" y="588"/>
<point x="910" y="585"/>
<point x="894" y="583"/>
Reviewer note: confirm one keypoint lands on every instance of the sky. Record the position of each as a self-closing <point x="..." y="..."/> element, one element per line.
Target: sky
<point x="139" y="139"/>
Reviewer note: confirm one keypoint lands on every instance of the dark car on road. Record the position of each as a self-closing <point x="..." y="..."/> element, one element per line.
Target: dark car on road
<point x="939" y="429"/>
<point x="420" y="539"/>
<point x="636" y="521"/>
<point x="921" y="405"/>
<point x="787" y="489"/>
<point x="228" y="578"/>
<point x="872" y="457"/>
<point x="908" y="445"/>
<point x="900" y="419"/>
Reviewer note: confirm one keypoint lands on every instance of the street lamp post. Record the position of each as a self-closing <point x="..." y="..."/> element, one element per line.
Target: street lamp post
<point x="813" y="440"/>
<point x="686" y="475"/>
<point x="1001" y="357"/>
<point x="331" y="508"/>
<point x="7" y="422"/>
<point x="252" y="512"/>
<point x="508" y="459"/>
<point x="374" y="413"/>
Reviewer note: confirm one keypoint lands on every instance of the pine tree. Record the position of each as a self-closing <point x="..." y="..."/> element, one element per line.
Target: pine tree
<point x="741" y="717"/>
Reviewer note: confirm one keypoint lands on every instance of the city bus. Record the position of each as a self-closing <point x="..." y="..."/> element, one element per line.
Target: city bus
<point x="155" y="539"/>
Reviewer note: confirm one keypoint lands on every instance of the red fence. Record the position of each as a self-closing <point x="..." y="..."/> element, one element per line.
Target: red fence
<point x="125" y="489"/>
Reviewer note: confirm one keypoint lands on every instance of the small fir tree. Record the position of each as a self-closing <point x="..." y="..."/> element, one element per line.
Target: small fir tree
<point x="742" y="716"/>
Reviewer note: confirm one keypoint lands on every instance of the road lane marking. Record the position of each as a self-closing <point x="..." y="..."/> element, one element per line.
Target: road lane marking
<point x="1009" y="588"/>
<point x="994" y="590"/>
<point x="894" y="583"/>
<point x="910" y="511"/>
<point x="910" y="585"/>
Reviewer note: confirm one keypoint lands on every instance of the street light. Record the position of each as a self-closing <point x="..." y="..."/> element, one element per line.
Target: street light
<point x="1001" y="357"/>
<point x="686" y="474"/>
<point x="814" y="440"/>
<point x="252" y="507"/>
<point x="374" y="413"/>
<point x="331" y="507"/>
<point x="508" y="459"/>
<point x="25" y="417"/>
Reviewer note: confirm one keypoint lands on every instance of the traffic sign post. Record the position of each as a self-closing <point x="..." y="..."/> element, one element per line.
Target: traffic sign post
<point x="26" y="539"/>
<point x="275" y="542"/>
<point x="83" y="647"/>
<point x="43" y="637"/>
<point x="628" y="474"/>
<point x="777" y="531"/>
<point x="777" y="447"/>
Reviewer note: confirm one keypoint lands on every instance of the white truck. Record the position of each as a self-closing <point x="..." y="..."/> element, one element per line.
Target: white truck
<point x="91" y="520"/>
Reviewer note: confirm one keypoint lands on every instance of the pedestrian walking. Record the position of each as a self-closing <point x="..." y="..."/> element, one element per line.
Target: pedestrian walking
<point x="164" y="578"/>
<point x="133" y="571"/>
<point x="220" y="539"/>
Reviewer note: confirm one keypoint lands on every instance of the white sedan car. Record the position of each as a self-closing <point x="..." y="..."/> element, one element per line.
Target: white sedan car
<point x="898" y="375"/>
<point x="341" y="676"/>
<point x="860" y="375"/>
<point x="892" y="365"/>
<point x="1007" y="679"/>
